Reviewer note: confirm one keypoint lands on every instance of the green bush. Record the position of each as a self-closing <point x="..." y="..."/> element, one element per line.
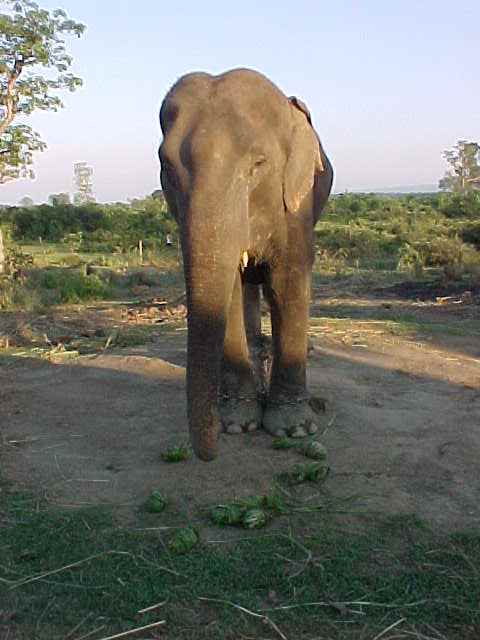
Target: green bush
<point x="457" y="205"/>
<point x="72" y="286"/>
<point x="455" y="257"/>
<point x="411" y="260"/>
<point x="71" y="260"/>
<point x="16" y="294"/>
<point x="93" y="227"/>
<point x="331" y="262"/>
<point x="470" y="232"/>
<point x="54" y="223"/>
<point x="409" y="233"/>
<point x="88" y="246"/>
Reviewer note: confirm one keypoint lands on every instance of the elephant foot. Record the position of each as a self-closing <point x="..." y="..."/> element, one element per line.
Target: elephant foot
<point x="240" y="415"/>
<point x="295" y="418"/>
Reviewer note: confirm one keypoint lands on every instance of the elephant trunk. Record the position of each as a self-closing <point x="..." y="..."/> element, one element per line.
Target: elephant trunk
<point x="210" y="263"/>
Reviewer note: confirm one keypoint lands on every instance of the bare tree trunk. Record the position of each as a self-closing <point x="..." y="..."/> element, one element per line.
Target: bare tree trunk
<point x="9" y="97"/>
<point x="2" y="254"/>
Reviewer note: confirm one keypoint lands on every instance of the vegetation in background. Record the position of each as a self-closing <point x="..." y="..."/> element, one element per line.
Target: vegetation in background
<point x="71" y="287"/>
<point x="99" y="228"/>
<point x="464" y="173"/>
<point x="30" y="38"/>
<point x="410" y="233"/>
<point x="421" y="236"/>
<point x="83" y="181"/>
<point x="425" y="234"/>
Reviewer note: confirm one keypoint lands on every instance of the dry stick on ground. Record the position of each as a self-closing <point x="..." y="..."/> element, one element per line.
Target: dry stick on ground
<point x="329" y="424"/>
<point x="77" y="626"/>
<point x="124" y="634"/>
<point x="152" y="607"/>
<point x="389" y="628"/>
<point x="156" y="528"/>
<point x="358" y="603"/>
<point x="160" y="566"/>
<point x="42" y="615"/>
<point x="440" y="635"/>
<point x="265" y="619"/>
<point x="304" y="564"/>
<point x="417" y="635"/>
<point x="249" y="538"/>
<point x="90" y="633"/>
<point x="40" y="576"/>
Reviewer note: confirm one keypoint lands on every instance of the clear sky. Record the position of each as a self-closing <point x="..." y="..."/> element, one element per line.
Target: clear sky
<point x="390" y="84"/>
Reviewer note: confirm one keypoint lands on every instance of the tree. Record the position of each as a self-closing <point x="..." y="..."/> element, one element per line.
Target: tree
<point x="2" y="254"/>
<point x="26" y="202"/>
<point x="464" y="175"/>
<point x="31" y="39"/>
<point x="57" y="199"/>
<point x="83" y="181"/>
<point x="158" y="195"/>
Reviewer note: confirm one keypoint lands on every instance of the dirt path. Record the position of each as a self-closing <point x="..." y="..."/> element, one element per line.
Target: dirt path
<point x="402" y="425"/>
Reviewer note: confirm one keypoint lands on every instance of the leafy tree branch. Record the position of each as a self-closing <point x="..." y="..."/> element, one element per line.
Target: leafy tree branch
<point x="464" y="173"/>
<point x="31" y="39"/>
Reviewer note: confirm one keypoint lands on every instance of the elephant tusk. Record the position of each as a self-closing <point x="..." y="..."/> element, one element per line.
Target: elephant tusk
<point x="245" y="259"/>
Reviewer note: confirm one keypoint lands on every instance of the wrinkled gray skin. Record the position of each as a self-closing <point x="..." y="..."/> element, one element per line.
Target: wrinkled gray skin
<point x="246" y="178"/>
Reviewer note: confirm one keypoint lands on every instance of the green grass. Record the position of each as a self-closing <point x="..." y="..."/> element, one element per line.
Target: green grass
<point x="62" y="254"/>
<point x="60" y="569"/>
<point x="55" y="254"/>
<point x="126" y="337"/>
<point x="464" y="327"/>
<point x="393" y="322"/>
<point x="306" y="472"/>
<point x="58" y="276"/>
<point x="132" y="336"/>
<point x="177" y="453"/>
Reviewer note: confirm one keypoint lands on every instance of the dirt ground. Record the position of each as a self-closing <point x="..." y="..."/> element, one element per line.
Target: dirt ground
<point x="402" y="424"/>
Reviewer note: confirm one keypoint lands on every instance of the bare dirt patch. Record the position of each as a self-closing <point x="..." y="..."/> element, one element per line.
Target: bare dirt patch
<point x="402" y="424"/>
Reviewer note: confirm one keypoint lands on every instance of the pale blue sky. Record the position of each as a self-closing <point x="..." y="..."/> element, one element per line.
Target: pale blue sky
<point x="390" y="84"/>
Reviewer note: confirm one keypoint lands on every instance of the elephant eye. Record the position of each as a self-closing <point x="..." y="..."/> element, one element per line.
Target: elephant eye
<point x="257" y="164"/>
<point x="259" y="161"/>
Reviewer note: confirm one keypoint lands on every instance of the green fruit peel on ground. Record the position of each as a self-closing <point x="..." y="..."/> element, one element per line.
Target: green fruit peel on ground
<point x="156" y="502"/>
<point x="184" y="540"/>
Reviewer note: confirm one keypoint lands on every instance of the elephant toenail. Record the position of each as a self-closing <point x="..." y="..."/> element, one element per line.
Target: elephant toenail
<point x="252" y="426"/>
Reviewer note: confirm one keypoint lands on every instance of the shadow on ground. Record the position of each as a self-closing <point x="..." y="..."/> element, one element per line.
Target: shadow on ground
<point x="401" y="428"/>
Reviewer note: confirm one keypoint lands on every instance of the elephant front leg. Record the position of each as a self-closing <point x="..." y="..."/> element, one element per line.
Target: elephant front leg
<point x="240" y="409"/>
<point x="288" y="411"/>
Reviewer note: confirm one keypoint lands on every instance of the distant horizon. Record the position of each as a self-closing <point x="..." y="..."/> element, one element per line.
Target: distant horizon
<point x="398" y="189"/>
<point x="419" y="188"/>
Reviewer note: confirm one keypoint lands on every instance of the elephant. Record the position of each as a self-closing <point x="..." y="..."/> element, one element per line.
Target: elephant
<point x="246" y="178"/>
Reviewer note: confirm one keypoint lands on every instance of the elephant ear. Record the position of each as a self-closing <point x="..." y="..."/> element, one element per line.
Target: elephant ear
<point x="302" y="107"/>
<point x="304" y="158"/>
